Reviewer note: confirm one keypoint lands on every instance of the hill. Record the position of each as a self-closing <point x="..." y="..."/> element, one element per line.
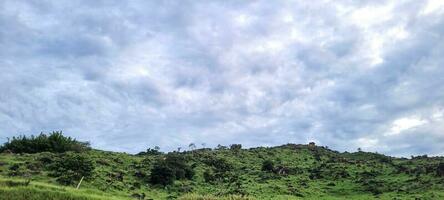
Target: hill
<point x="284" y="172"/>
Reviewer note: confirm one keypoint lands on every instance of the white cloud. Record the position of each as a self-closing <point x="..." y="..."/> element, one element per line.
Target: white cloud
<point x="406" y="123"/>
<point x="170" y="73"/>
<point x="433" y="6"/>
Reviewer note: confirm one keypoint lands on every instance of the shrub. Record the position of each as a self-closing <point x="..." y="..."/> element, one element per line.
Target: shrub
<point x="208" y="176"/>
<point x="267" y="166"/>
<point x="440" y="169"/>
<point x="172" y="167"/>
<point x="14" y="170"/>
<point x="220" y="169"/>
<point x="163" y="175"/>
<point x="54" y="142"/>
<point x="71" y="167"/>
<point x="220" y="165"/>
<point x="150" y="152"/>
<point x="236" y="147"/>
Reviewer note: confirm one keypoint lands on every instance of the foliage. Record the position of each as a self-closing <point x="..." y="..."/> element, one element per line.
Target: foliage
<point x="172" y="167"/>
<point x="54" y="142"/>
<point x="268" y="166"/>
<point x="285" y="172"/>
<point x="70" y="167"/>
<point x="14" y="189"/>
<point x="440" y="169"/>
<point x="219" y="169"/>
<point x="236" y="147"/>
<point x="151" y="152"/>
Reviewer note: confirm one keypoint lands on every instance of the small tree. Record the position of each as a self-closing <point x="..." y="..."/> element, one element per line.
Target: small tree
<point x="192" y="146"/>
<point x="172" y="167"/>
<point x="220" y="169"/>
<point x="440" y="169"/>
<point x="236" y="147"/>
<point x="162" y="174"/>
<point x="71" y="167"/>
<point x="150" y="151"/>
<point x="268" y="166"/>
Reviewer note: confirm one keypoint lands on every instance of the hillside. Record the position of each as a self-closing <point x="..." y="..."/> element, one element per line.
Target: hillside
<point x="284" y="172"/>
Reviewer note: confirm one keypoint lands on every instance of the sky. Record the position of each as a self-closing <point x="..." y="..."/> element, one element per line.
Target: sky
<point x="128" y="75"/>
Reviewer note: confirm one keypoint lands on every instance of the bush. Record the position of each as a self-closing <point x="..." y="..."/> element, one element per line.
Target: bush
<point x="236" y="147"/>
<point x="220" y="169"/>
<point x="163" y="175"/>
<point x="71" y="167"/>
<point x="14" y="170"/>
<point x="267" y="166"/>
<point x="54" y="142"/>
<point x="150" y="152"/>
<point x="440" y="169"/>
<point x="208" y="176"/>
<point x="219" y="165"/>
<point x="169" y="169"/>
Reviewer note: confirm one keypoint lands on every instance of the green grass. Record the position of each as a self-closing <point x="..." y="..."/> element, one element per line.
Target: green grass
<point x="15" y="189"/>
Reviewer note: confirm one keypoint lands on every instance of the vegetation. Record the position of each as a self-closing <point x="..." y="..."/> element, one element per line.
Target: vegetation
<point x="284" y="172"/>
<point x="149" y="151"/>
<point x="54" y="142"/>
<point x="70" y="167"/>
<point x="170" y="168"/>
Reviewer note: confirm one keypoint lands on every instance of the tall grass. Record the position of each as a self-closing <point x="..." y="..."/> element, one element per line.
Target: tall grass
<point x="20" y="190"/>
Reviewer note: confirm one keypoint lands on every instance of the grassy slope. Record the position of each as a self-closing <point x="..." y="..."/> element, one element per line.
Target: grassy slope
<point x="390" y="183"/>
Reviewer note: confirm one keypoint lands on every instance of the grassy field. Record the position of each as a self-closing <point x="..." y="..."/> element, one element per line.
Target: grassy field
<point x="300" y="172"/>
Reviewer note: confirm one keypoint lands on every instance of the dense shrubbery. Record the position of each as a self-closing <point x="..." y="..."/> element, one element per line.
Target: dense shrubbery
<point x="71" y="167"/>
<point x="172" y="167"/>
<point x="219" y="169"/>
<point x="151" y="152"/>
<point x="236" y="147"/>
<point x="268" y="166"/>
<point x="440" y="169"/>
<point x="54" y="142"/>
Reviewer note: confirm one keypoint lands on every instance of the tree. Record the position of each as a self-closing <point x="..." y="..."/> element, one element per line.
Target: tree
<point x="221" y="147"/>
<point x="440" y="169"/>
<point x="162" y="174"/>
<point x="192" y="146"/>
<point x="268" y="166"/>
<point x="220" y="169"/>
<point x="236" y="147"/>
<point x="150" y="151"/>
<point x="172" y="167"/>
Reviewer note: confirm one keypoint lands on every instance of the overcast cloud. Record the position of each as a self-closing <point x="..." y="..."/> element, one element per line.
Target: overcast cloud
<point x="127" y="75"/>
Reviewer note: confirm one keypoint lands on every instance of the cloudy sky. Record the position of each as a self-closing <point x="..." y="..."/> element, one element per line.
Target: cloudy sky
<point x="127" y="75"/>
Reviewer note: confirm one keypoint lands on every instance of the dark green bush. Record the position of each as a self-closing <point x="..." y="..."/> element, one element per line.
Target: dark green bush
<point x="440" y="169"/>
<point x="208" y="176"/>
<point x="70" y="167"/>
<point x="220" y="169"/>
<point x="268" y="166"/>
<point x="54" y="142"/>
<point x="172" y="167"/>
<point x="14" y="170"/>
<point x="163" y="175"/>
<point x="236" y="147"/>
<point x="151" y="152"/>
